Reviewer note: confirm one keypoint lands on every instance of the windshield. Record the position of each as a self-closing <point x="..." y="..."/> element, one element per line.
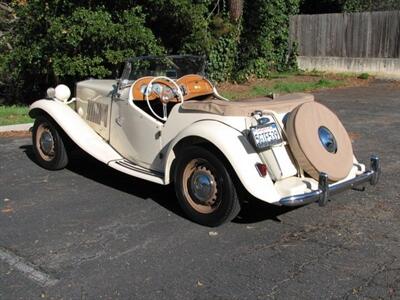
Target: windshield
<point x="174" y="66"/>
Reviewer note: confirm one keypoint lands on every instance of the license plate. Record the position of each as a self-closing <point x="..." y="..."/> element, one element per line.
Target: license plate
<point x="265" y="136"/>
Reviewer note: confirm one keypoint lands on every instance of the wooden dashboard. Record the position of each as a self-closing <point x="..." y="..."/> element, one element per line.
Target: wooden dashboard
<point x="191" y="85"/>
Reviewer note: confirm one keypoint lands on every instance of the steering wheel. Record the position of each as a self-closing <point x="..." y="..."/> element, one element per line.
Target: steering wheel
<point x="164" y="94"/>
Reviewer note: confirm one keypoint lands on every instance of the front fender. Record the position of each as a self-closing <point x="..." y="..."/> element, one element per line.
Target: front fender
<point x="76" y="128"/>
<point x="237" y="150"/>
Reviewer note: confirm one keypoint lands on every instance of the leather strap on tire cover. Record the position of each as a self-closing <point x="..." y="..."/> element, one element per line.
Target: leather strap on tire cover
<point x="302" y="132"/>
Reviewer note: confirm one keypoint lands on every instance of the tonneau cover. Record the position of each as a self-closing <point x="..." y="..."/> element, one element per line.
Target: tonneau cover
<point x="279" y="104"/>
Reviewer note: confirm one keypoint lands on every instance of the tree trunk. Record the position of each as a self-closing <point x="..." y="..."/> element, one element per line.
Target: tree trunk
<point x="235" y="9"/>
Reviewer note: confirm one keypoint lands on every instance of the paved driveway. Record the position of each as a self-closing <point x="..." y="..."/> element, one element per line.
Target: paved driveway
<point x="88" y="232"/>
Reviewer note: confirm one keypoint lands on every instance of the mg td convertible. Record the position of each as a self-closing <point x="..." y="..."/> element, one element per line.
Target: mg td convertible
<point x="165" y="122"/>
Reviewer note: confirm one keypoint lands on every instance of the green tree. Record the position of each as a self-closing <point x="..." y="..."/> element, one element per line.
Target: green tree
<point x="58" y="41"/>
<point x="68" y="40"/>
<point x="369" y="5"/>
<point x="181" y="25"/>
<point x="6" y="20"/>
<point x="264" y="43"/>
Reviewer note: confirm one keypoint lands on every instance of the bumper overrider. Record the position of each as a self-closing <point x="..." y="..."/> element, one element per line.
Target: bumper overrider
<point x="325" y="190"/>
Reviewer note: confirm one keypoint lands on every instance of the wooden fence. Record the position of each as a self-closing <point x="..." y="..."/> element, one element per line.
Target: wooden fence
<point x="356" y="35"/>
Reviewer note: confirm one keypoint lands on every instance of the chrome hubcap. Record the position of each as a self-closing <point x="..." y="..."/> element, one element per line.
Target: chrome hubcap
<point x="46" y="142"/>
<point x="327" y="139"/>
<point x="202" y="185"/>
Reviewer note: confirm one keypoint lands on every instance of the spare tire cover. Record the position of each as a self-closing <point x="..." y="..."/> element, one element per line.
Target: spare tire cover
<point x="319" y="142"/>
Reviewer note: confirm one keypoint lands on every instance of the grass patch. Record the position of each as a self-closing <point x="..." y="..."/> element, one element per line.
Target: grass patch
<point x="313" y="73"/>
<point x="266" y="88"/>
<point x="231" y="95"/>
<point x="278" y="75"/>
<point x="292" y="87"/>
<point x="345" y="75"/>
<point x="10" y="115"/>
<point x="259" y="90"/>
<point x="363" y="76"/>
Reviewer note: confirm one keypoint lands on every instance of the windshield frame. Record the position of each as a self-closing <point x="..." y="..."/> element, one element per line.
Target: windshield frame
<point x="126" y="75"/>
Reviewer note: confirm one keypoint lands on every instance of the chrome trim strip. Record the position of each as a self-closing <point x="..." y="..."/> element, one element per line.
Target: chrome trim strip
<point x="127" y="164"/>
<point x="324" y="189"/>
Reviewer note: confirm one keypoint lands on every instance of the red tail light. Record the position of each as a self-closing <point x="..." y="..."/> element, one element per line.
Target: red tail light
<point x="262" y="169"/>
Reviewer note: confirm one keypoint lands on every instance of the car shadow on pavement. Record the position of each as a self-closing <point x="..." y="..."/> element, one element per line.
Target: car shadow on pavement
<point x="83" y="164"/>
<point x="253" y="210"/>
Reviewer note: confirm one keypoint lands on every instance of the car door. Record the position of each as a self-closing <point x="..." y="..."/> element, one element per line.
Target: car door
<point x="134" y="133"/>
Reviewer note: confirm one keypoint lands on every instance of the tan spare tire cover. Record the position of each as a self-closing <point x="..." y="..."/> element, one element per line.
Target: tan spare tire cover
<point x="303" y="135"/>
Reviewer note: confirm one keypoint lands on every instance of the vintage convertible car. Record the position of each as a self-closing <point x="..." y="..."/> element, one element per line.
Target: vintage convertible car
<point x="164" y="121"/>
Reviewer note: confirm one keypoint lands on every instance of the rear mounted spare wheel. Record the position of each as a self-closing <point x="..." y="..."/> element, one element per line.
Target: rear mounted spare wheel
<point x="319" y="142"/>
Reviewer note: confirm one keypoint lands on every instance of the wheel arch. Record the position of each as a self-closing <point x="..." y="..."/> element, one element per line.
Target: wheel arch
<point x="39" y="112"/>
<point x="75" y="128"/>
<point x="230" y="145"/>
<point x="194" y="140"/>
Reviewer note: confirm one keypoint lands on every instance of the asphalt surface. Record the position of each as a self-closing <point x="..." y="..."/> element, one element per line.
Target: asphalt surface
<point x="102" y="235"/>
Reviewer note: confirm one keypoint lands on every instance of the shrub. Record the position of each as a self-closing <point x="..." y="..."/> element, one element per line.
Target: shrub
<point x="65" y="41"/>
<point x="56" y="41"/>
<point x="264" y="44"/>
<point x="363" y="76"/>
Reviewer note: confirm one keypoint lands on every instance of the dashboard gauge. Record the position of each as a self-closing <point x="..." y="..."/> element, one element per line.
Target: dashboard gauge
<point x="157" y="88"/>
<point x="143" y="89"/>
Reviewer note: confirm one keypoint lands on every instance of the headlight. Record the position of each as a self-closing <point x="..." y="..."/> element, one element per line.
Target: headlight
<point x="62" y="92"/>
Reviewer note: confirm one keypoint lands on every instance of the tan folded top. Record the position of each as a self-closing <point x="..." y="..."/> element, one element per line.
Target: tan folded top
<point x="280" y="104"/>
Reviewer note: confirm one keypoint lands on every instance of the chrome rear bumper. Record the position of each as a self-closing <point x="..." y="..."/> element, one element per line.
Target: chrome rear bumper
<point x="325" y="190"/>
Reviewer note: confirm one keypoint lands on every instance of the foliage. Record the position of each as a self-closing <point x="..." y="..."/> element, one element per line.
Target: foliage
<point x="182" y="25"/>
<point x="68" y="40"/>
<point x="55" y="41"/>
<point x="368" y="5"/>
<point x="224" y="49"/>
<point x="6" y="16"/>
<point x="6" y="19"/>
<point x="363" y="76"/>
<point x="264" y="43"/>
<point x="200" y="27"/>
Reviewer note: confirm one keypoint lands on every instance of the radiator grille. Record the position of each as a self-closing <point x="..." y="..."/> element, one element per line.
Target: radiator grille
<point x="97" y="113"/>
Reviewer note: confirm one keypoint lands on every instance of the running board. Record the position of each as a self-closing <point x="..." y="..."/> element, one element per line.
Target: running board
<point x="127" y="167"/>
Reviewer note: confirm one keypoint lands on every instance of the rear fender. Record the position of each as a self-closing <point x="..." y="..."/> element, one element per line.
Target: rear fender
<point x="76" y="128"/>
<point x="236" y="149"/>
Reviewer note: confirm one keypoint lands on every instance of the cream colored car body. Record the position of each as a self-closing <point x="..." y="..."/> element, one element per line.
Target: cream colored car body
<point x="104" y="123"/>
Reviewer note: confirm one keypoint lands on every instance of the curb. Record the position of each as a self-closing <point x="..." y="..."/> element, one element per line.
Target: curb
<point x="18" y="127"/>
